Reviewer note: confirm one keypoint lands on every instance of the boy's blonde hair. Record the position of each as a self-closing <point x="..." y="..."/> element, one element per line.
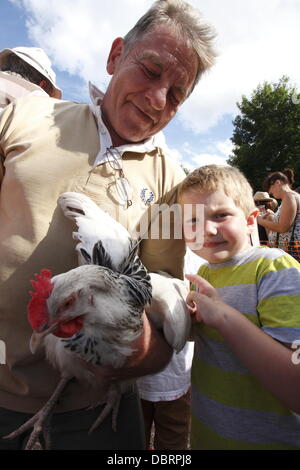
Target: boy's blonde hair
<point x="227" y="178"/>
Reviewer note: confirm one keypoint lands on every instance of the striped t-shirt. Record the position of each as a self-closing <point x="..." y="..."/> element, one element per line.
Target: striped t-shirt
<point x="231" y="409"/>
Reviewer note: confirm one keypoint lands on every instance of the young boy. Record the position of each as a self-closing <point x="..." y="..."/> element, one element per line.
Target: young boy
<point x="246" y="307"/>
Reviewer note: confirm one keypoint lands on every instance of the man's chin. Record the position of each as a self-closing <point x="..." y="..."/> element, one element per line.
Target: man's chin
<point x="132" y="135"/>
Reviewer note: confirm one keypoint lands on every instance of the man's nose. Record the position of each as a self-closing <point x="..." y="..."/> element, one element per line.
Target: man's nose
<point x="157" y="97"/>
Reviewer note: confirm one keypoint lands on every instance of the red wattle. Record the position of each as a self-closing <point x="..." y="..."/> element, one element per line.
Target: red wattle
<point x="66" y="330"/>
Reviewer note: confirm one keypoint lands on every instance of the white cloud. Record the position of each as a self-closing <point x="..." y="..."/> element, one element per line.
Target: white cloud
<point x="214" y="153"/>
<point x="258" y="40"/>
<point x="78" y="34"/>
<point x="209" y="159"/>
<point x="225" y="148"/>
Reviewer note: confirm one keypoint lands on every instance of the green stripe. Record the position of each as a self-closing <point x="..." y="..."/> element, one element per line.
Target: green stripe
<point x="280" y="311"/>
<point x="233" y="388"/>
<point x="203" y="438"/>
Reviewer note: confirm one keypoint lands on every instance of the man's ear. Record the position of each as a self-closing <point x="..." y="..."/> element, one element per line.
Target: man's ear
<point x="116" y="51"/>
<point x="43" y="84"/>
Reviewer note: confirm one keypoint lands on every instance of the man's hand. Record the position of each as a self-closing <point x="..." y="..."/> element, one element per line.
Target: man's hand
<point x="151" y="353"/>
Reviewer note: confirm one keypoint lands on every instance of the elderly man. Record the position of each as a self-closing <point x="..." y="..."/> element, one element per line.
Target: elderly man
<point x="50" y="146"/>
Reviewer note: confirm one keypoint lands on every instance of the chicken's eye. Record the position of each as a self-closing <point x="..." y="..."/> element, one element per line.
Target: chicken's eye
<point x="67" y="304"/>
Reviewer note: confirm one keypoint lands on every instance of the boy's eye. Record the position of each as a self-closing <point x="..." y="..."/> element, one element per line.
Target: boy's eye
<point x="222" y="215"/>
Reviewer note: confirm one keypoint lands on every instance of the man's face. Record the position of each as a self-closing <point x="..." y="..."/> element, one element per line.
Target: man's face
<point x="149" y="84"/>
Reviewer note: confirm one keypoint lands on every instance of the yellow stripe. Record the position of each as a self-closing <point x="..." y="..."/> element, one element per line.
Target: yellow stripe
<point x="282" y="311"/>
<point x="233" y="388"/>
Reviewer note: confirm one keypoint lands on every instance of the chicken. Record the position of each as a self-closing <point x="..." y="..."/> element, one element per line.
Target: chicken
<point x="94" y="312"/>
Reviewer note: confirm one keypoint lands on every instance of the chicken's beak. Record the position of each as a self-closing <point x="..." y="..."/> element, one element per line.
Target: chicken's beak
<point x="37" y="338"/>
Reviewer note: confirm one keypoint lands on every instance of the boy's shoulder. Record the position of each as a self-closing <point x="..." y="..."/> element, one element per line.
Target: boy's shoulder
<point x="277" y="258"/>
<point x="260" y="258"/>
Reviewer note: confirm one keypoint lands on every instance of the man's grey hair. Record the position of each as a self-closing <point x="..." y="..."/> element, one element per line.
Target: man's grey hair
<point x="189" y="22"/>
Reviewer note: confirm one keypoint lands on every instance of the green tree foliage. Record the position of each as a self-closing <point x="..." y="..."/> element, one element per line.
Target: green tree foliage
<point x="267" y="132"/>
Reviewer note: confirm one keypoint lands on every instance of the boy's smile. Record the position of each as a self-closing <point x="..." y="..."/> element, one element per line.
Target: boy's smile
<point x="225" y="227"/>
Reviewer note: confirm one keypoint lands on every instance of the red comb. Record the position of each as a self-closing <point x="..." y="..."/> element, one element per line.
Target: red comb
<point x="36" y="308"/>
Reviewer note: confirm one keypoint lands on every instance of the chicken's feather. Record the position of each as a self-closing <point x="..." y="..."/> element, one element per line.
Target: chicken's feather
<point x="93" y="225"/>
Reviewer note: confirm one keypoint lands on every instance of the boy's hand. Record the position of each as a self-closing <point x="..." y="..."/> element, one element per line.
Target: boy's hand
<point x="204" y="303"/>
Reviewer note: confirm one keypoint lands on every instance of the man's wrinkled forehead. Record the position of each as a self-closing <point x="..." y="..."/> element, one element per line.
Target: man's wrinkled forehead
<point x="162" y="62"/>
<point x="152" y="56"/>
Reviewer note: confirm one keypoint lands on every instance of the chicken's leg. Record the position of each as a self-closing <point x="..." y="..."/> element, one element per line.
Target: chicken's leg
<point x="40" y="421"/>
<point x="113" y="399"/>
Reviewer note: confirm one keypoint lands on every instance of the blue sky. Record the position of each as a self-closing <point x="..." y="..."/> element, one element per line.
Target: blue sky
<point x="257" y="41"/>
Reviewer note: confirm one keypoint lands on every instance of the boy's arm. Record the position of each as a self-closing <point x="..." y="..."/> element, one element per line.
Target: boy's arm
<point x="267" y="359"/>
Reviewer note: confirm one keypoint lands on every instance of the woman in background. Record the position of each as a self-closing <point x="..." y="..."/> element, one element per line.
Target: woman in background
<point x="286" y="221"/>
<point x="267" y="206"/>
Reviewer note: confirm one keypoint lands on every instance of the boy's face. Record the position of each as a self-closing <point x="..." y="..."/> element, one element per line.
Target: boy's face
<point x="225" y="227"/>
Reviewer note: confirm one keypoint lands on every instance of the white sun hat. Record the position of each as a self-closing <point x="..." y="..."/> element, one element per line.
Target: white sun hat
<point x="38" y="59"/>
<point x="262" y="196"/>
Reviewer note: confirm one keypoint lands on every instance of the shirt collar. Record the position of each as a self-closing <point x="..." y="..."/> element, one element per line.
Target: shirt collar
<point x="148" y="145"/>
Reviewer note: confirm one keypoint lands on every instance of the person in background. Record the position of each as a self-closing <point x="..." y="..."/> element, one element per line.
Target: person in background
<point x="48" y="147"/>
<point x="23" y="71"/>
<point x="245" y="306"/>
<point x="267" y="207"/>
<point x="286" y="221"/>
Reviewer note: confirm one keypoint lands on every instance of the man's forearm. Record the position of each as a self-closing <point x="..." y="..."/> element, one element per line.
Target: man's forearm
<point x="152" y="353"/>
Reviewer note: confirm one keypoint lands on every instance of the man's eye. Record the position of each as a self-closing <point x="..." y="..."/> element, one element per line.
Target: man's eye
<point x="175" y="101"/>
<point x="151" y="73"/>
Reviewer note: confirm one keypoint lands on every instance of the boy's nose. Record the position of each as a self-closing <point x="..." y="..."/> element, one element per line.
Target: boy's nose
<point x="210" y="228"/>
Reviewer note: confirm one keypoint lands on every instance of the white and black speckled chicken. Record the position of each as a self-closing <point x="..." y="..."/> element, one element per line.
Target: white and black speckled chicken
<point x="94" y="312"/>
